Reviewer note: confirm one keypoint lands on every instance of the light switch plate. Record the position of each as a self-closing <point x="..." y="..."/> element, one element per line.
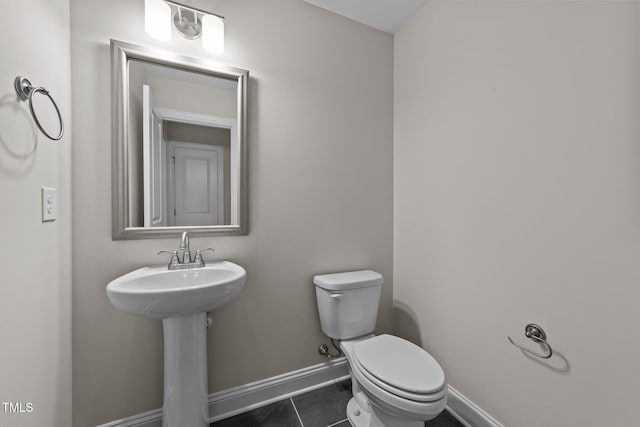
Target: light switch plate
<point x="49" y="204"/>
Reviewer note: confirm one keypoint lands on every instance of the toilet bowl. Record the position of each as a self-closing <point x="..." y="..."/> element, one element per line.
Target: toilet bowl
<point x="395" y="383"/>
<point x="403" y="384"/>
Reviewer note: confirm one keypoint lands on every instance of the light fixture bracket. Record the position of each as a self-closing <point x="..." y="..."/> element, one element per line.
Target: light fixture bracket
<point x="190" y="27"/>
<point x="192" y="9"/>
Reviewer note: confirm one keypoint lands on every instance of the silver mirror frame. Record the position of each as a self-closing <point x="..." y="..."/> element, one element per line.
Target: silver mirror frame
<point x="121" y="53"/>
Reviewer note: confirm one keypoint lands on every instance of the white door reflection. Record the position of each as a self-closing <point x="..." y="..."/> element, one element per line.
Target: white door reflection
<point x="195" y="184"/>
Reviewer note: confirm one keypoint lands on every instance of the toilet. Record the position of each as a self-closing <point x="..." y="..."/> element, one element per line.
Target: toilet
<point x="395" y="383"/>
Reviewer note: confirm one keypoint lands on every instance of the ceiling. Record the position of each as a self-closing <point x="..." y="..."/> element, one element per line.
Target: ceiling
<point x="385" y="15"/>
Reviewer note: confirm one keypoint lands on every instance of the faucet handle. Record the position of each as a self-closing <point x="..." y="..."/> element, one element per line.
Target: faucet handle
<point x="198" y="259"/>
<point x="199" y="251"/>
<point x="174" y="257"/>
<point x="168" y="253"/>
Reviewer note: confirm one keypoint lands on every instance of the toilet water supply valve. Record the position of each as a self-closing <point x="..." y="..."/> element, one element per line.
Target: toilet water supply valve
<point x="324" y="350"/>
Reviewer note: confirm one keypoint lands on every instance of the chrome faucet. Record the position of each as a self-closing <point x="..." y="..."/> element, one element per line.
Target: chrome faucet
<point x="186" y="262"/>
<point x="184" y="247"/>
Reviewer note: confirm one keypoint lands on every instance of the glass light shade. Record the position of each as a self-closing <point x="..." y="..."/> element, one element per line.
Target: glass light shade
<point x="212" y="34"/>
<point x="157" y="19"/>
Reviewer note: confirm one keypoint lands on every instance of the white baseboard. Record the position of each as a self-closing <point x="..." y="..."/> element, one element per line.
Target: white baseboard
<point x="146" y="419"/>
<point x="234" y="401"/>
<point x="244" y="398"/>
<point x="467" y="412"/>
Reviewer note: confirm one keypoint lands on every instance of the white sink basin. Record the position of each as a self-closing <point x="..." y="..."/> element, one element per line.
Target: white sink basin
<point x="160" y="293"/>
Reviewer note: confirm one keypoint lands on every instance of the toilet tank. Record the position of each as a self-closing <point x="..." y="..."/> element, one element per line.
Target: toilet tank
<point x="348" y="302"/>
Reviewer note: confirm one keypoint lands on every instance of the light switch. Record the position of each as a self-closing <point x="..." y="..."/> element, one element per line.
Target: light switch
<point x="49" y="204"/>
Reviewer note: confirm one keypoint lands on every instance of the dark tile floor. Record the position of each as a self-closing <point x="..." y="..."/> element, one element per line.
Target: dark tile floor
<point x="325" y="407"/>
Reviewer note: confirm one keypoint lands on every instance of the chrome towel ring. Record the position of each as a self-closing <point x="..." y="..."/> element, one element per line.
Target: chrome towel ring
<point x="536" y="333"/>
<point x="26" y="91"/>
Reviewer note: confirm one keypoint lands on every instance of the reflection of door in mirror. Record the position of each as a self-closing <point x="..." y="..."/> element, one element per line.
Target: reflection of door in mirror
<point x="152" y="156"/>
<point x="196" y="184"/>
<point x="187" y="176"/>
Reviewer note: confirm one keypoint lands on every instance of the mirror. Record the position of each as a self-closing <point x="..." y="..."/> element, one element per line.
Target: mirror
<point x="179" y="145"/>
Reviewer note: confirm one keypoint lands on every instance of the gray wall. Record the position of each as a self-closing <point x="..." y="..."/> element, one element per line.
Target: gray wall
<point x="517" y="199"/>
<point x="35" y="257"/>
<point x="320" y="147"/>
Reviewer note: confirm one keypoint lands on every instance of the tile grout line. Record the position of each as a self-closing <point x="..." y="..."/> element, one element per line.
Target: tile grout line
<point x="337" y="423"/>
<point x="296" y="409"/>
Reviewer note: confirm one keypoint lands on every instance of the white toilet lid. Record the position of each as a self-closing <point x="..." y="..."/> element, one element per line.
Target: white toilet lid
<point x="400" y="363"/>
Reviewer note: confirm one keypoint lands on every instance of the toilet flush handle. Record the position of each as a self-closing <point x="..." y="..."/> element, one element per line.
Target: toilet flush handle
<point x="336" y="295"/>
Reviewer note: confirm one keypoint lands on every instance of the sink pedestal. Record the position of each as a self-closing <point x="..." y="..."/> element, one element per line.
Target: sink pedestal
<point x="185" y="371"/>
<point x="181" y="298"/>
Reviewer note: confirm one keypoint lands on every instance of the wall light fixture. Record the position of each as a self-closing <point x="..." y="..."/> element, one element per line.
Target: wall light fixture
<point x="190" y="23"/>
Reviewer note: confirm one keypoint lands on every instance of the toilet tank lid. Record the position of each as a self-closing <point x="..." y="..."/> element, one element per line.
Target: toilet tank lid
<point x="348" y="280"/>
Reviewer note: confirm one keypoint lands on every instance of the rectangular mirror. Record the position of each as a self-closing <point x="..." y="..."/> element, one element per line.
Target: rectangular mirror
<point x="179" y="145"/>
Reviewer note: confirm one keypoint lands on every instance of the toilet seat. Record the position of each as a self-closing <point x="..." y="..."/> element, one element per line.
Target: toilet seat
<point x="400" y="367"/>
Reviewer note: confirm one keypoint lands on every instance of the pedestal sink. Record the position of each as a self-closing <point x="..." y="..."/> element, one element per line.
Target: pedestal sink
<point x="181" y="298"/>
